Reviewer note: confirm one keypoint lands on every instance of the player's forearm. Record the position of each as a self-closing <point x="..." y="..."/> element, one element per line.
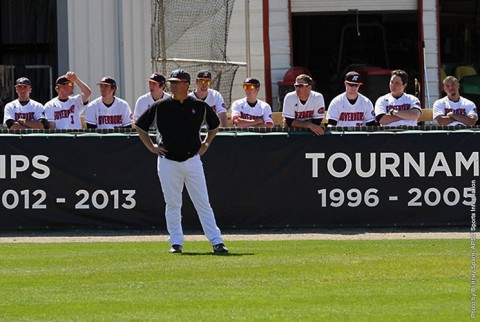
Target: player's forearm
<point x="387" y="119"/>
<point x="86" y="91"/>
<point x="34" y="125"/>
<point x="17" y="126"/>
<point x="444" y="120"/>
<point x="239" y="122"/>
<point x="223" y="119"/>
<point x="464" y="119"/>
<point x="410" y="115"/>
<point x="301" y="124"/>
<point x="307" y="124"/>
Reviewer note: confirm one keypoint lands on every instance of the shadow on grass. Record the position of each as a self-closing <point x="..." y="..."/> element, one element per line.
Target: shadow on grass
<point x="212" y="254"/>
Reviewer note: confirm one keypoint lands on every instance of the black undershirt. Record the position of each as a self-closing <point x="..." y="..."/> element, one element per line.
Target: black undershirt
<point x="108" y="105"/>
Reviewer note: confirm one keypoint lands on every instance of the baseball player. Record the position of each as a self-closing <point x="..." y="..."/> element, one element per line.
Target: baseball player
<point x="178" y="121"/>
<point x="453" y="109"/>
<point x="250" y="111"/>
<point x="213" y="98"/>
<point x="24" y="113"/>
<point x="351" y="108"/>
<point x="304" y="108"/>
<point x="397" y="107"/>
<point x="156" y="83"/>
<point x="108" y="111"/>
<point x="63" y="111"/>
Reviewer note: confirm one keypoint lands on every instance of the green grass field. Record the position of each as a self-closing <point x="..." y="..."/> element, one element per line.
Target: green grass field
<point x="378" y="280"/>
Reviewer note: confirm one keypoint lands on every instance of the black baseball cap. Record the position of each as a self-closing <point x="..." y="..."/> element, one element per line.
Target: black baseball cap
<point x="107" y="80"/>
<point x="204" y="74"/>
<point x="62" y="80"/>
<point x="179" y="75"/>
<point x="353" y="77"/>
<point x="23" y="81"/>
<point x="157" y="78"/>
<point x="252" y="81"/>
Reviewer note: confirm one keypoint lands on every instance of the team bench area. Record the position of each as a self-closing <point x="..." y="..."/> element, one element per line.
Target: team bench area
<point x="427" y="116"/>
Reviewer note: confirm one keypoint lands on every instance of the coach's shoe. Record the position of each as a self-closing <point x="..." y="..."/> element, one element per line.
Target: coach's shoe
<point x="220" y="249"/>
<point x="176" y="249"/>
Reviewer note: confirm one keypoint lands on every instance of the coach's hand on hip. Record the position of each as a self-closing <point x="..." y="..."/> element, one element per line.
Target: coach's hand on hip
<point x="203" y="148"/>
<point x="158" y="149"/>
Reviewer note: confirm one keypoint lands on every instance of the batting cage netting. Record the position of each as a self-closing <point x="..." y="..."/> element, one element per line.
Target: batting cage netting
<point x="192" y="35"/>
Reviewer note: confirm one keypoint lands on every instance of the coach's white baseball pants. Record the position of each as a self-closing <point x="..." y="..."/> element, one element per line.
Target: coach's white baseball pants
<point x="173" y="176"/>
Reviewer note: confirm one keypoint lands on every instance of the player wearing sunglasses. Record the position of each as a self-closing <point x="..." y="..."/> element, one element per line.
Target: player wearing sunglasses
<point x="304" y="108"/>
<point x="210" y="96"/>
<point x="63" y="111"/>
<point x="250" y="111"/>
<point x="351" y="108"/>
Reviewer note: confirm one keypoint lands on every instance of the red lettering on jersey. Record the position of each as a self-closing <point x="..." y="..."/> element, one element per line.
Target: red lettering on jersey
<point x="29" y="116"/>
<point x="110" y="119"/>
<point x="351" y="116"/>
<point x="304" y="115"/>
<point x="459" y="111"/>
<point x="248" y="116"/>
<point x="63" y="114"/>
<point x="403" y="107"/>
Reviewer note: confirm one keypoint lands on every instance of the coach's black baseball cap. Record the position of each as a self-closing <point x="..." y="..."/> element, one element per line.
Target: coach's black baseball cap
<point x="252" y="81"/>
<point x="179" y="75"/>
<point x="23" y="81"/>
<point x="204" y="74"/>
<point x="107" y="80"/>
<point x="157" y="78"/>
<point x="353" y="77"/>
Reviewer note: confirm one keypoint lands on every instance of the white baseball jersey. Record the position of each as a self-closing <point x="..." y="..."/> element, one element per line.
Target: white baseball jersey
<point x="241" y="109"/>
<point x="214" y="99"/>
<point x="346" y="114"/>
<point x="65" y="115"/>
<point x="314" y="107"/>
<point x="406" y="102"/>
<point x="32" y="111"/>
<point x="117" y="115"/>
<point x="464" y="107"/>
<point x="144" y="102"/>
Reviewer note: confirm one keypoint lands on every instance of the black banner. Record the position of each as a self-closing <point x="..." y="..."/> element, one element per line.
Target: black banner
<point x="255" y="180"/>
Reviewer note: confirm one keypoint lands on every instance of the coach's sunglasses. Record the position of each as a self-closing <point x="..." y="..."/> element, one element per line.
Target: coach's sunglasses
<point x="69" y="84"/>
<point x="245" y="87"/>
